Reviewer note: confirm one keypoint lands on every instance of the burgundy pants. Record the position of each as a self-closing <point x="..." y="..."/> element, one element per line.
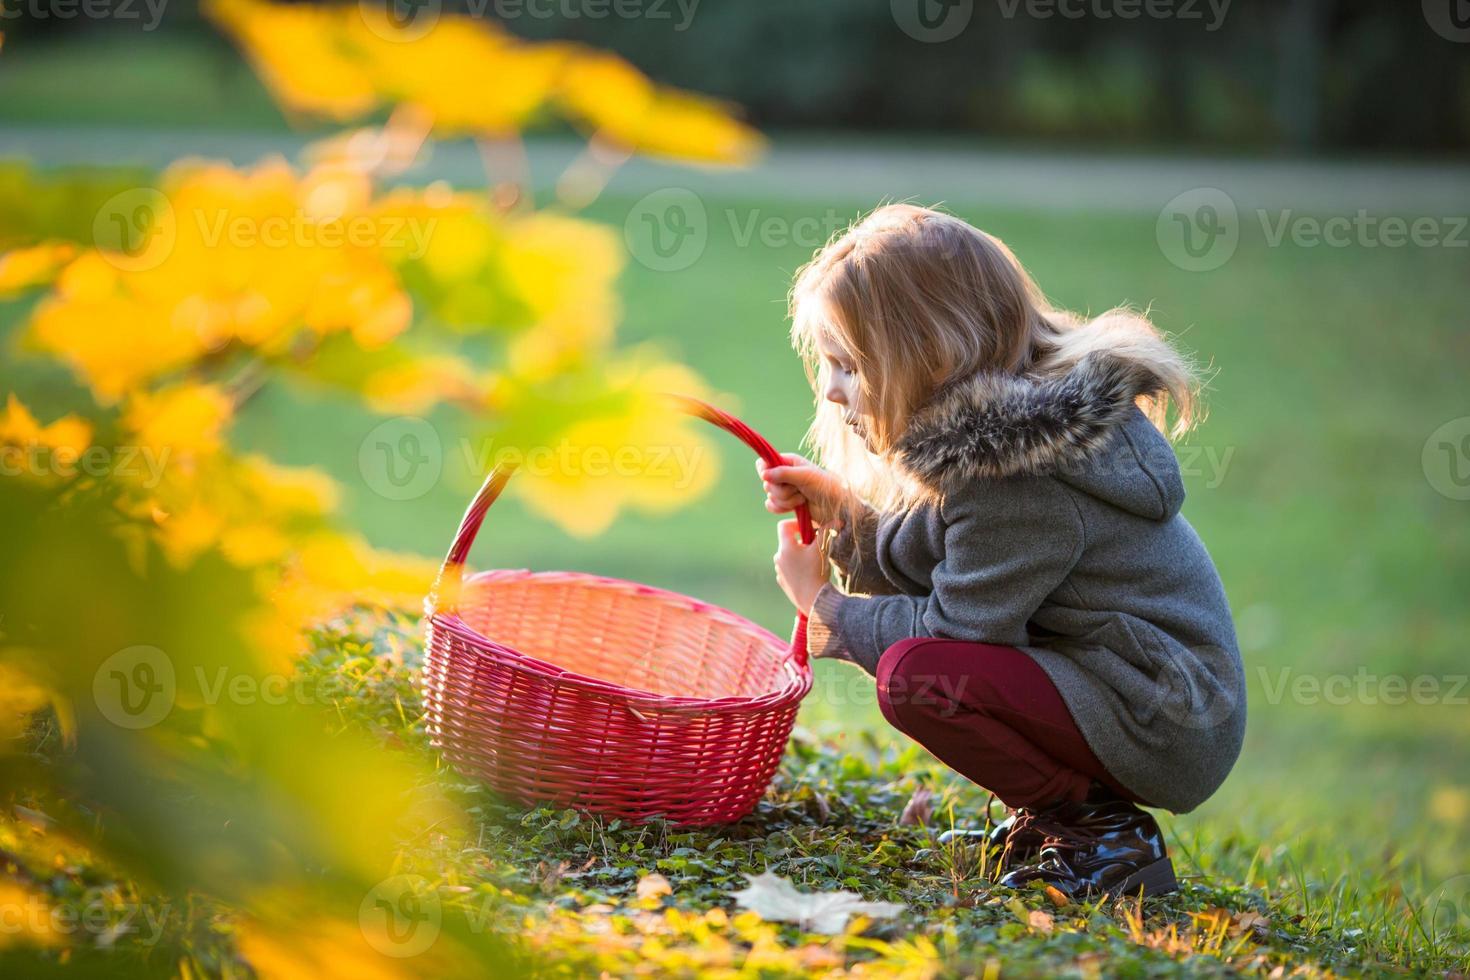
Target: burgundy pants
<point x="991" y="714"/>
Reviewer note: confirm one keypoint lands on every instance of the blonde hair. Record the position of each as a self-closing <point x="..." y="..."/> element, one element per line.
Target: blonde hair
<point x="915" y="297"/>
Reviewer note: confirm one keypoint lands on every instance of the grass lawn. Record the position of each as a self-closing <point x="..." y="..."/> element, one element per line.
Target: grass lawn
<point x="1340" y="559"/>
<point x="142" y="79"/>
<point x="1343" y="564"/>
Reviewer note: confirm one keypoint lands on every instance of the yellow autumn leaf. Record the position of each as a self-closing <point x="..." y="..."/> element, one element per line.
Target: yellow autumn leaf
<point x="325" y="573"/>
<point x="564" y="271"/>
<point x="185" y="418"/>
<point x="296" y="950"/>
<point x="465" y="74"/>
<point x="186" y="534"/>
<point x="105" y="335"/>
<point x="29" y="918"/>
<point x="622" y="106"/>
<point x="459" y="234"/>
<point x="284" y="490"/>
<point x="261" y="257"/>
<point x="636" y="454"/>
<point x="420" y="383"/>
<point x="37" y="265"/>
<point x="19" y="428"/>
<point x="254" y="543"/>
<point x="297" y="51"/>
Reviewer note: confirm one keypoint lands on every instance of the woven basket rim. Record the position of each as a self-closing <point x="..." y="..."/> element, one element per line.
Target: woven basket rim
<point x="797" y="677"/>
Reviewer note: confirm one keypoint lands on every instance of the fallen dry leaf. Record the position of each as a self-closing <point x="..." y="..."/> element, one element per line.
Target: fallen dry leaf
<point x="551" y="875"/>
<point x="775" y="899"/>
<point x="919" y="809"/>
<point x="1057" y="896"/>
<point x="653" y="885"/>
<point x="1253" y="922"/>
<point x="1041" y="921"/>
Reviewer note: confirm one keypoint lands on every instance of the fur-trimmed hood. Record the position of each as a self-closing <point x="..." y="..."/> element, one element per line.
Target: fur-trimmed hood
<point x="1083" y="427"/>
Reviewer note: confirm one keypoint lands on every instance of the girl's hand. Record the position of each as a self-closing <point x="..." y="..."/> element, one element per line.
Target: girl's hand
<point x="801" y="569"/>
<point x="798" y="482"/>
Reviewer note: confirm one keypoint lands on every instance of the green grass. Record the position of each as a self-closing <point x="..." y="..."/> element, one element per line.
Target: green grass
<point x="136" y="79"/>
<point x="1332" y="368"/>
<point x="560" y="892"/>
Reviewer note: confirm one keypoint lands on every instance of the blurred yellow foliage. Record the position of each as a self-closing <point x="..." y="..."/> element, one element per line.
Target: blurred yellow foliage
<point x="28" y="918"/>
<point x="19" y="429"/>
<point x="193" y="559"/>
<point x="186" y="418"/>
<point x="37" y="265"/>
<point x="470" y="77"/>
<point x="248" y="257"/>
<point x="582" y="466"/>
<point x="621" y="106"/>
<point x="22" y="694"/>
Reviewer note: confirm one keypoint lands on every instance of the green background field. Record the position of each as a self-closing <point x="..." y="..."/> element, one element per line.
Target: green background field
<point x="1330" y="368"/>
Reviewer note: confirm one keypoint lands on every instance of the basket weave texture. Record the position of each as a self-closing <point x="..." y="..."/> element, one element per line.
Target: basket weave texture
<point x="605" y="695"/>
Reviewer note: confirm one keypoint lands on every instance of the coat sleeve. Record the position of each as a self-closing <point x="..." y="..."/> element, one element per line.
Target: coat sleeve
<point x="854" y="553"/>
<point x="1007" y="546"/>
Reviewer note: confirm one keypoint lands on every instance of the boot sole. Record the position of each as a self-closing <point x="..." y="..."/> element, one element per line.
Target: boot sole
<point x="1155" y="879"/>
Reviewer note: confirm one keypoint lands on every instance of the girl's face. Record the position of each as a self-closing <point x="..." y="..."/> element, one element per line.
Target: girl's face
<point x="839" y="382"/>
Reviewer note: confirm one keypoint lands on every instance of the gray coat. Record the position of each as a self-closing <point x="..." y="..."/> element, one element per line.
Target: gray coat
<point x="1055" y="528"/>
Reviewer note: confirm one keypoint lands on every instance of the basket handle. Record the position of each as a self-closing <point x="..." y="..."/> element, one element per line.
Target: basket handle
<point x="451" y="576"/>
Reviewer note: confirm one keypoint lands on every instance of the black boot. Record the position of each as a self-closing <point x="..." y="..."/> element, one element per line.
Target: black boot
<point x="1096" y="847"/>
<point x="1012" y="846"/>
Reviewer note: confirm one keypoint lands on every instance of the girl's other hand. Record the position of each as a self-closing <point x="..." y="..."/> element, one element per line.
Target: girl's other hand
<point x="801" y="571"/>
<point x="800" y="481"/>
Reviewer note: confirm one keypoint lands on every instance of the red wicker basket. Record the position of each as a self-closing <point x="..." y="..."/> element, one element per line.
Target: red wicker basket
<point x="604" y="695"/>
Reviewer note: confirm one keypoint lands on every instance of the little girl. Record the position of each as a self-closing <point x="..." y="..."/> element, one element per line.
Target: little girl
<point x="1002" y="511"/>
